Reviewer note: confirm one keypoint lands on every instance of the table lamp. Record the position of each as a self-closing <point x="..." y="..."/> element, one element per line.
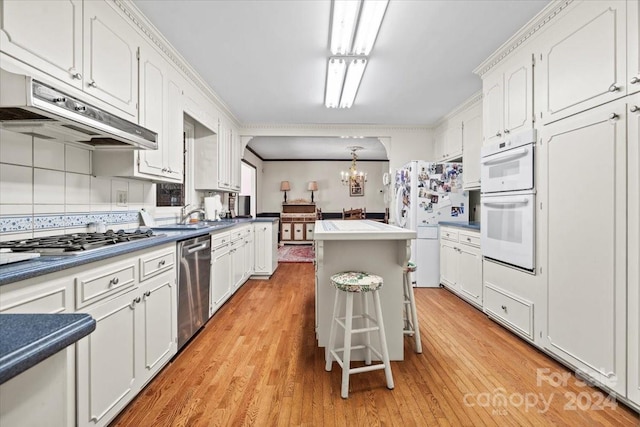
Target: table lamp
<point x="313" y="186"/>
<point x="284" y="186"/>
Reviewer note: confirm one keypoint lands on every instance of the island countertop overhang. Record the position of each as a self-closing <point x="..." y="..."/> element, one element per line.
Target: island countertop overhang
<point x="360" y="230"/>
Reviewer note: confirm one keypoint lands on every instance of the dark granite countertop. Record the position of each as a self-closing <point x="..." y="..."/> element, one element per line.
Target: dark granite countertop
<point x="22" y="270"/>
<point x="469" y="225"/>
<point x="27" y="339"/>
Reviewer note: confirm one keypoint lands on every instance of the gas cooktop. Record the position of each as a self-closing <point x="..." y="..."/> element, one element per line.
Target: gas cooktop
<point x="76" y="243"/>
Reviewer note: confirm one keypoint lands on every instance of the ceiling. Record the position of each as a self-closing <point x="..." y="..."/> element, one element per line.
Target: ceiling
<point x="267" y="59"/>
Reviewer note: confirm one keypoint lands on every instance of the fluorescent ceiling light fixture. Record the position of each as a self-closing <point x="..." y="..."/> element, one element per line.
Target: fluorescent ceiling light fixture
<point x="369" y="25"/>
<point x="335" y="78"/>
<point x="345" y="13"/>
<point x="352" y="82"/>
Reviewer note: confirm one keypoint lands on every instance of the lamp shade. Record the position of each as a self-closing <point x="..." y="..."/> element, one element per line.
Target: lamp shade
<point x="313" y="186"/>
<point x="284" y="186"/>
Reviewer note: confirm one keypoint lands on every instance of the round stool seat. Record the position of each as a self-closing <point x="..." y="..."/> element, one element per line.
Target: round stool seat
<point x="411" y="267"/>
<point x="356" y="281"/>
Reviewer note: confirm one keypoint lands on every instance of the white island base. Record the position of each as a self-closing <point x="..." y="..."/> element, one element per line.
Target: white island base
<point x="362" y="245"/>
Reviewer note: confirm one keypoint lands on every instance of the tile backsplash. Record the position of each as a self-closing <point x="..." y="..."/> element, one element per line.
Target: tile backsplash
<point x="46" y="187"/>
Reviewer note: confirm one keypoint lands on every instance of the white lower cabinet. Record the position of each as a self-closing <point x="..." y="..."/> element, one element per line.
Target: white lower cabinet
<point x="107" y="374"/>
<point x="633" y="245"/>
<point x="237" y="252"/>
<point x="586" y="265"/>
<point x="461" y="263"/>
<point x="265" y="237"/>
<point x="249" y="254"/>
<point x="136" y="330"/>
<point x="220" y="271"/>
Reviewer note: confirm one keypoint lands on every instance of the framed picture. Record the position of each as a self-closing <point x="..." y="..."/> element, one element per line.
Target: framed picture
<point x="356" y="186"/>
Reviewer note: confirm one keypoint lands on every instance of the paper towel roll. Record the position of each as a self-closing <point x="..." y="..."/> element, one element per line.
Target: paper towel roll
<point x="212" y="207"/>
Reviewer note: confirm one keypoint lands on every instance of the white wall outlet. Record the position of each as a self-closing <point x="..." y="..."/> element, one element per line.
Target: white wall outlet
<point x="121" y="197"/>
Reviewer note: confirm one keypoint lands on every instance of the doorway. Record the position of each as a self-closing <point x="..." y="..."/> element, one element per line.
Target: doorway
<point x="247" y="198"/>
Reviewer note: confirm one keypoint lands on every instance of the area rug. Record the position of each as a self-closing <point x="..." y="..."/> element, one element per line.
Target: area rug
<point x="295" y="253"/>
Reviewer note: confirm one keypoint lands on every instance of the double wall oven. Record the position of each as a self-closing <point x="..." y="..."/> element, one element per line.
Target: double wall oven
<point x="508" y="201"/>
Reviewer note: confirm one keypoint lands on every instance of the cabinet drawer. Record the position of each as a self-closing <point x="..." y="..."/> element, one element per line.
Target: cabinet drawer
<point x="513" y="311"/>
<point x="471" y="239"/>
<point x="220" y="239"/>
<point x="156" y="263"/>
<point x="48" y="296"/>
<point x="449" y="234"/>
<point x="99" y="284"/>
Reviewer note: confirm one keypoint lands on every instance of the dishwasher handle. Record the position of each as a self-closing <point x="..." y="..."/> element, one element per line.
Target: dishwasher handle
<point x="197" y="247"/>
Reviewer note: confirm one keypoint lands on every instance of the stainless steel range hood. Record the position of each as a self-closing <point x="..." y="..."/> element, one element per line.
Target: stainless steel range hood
<point x="33" y="108"/>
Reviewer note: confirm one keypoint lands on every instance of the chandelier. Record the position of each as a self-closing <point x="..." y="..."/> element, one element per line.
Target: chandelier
<point x="353" y="173"/>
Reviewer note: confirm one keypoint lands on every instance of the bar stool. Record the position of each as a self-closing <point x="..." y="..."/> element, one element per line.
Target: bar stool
<point x="409" y="312"/>
<point x="349" y="283"/>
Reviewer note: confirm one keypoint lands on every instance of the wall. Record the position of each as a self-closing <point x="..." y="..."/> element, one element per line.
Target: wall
<point x="46" y="188"/>
<point x="331" y="196"/>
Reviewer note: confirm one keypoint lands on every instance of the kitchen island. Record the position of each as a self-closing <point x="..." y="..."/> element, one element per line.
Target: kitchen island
<point x="362" y="245"/>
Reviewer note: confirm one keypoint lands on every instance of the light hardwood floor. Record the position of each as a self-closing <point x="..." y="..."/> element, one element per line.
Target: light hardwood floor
<point x="256" y="363"/>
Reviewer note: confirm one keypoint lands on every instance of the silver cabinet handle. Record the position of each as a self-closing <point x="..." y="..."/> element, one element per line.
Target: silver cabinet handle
<point x="134" y="302"/>
<point x="504" y="307"/>
<point x="59" y="100"/>
<point x="147" y="294"/>
<point x="76" y="76"/>
<point x="634" y="109"/>
<point x="498" y="133"/>
<point x="635" y="80"/>
<point x="614" y="88"/>
<point x="114" y="281"/>
<point x="93" y="84"/>
<point x="80" y="108"/>
<point x="161" y="263"/>
<point x="613" y="116"/>
<point x="506" y="131"/>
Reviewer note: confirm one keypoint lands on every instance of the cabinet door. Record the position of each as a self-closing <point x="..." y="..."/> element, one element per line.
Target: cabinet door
<point x="492" y="107"/>
<point x="286" y="233"/>
<point x="159" y="324"/>
<point x="237" y="263"/>
<point x="586" y="265"/>
<point x="448" y="263"/>
<point x="235" y="160"/>
<point x="224" y="155"/>
<point x="518" y="95"/>
<point x="471" y="144"/>
<point x="298" y="231"/>
<point x="633" y="266"/>
<point x="174" y="141"/>
<point x="46" y="35"/>
<point x="439" y="143"/>
<point x="309" y="229"/>
<point x="584" y="60"/>
<point x="249" y="256"/>
<point x="470" y="273"/>
<point x="453" y="140"/>
<point x="153" y="81"/>
<point x="110" y="57"/>
<point x="220" y="277"/>
<point x="633" y="46"/>
<point x="107" y="374"/>
<point x="262" y="244"/>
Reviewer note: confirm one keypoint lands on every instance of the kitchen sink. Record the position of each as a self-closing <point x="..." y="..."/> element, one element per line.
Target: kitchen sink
<point x="189" y="226"/>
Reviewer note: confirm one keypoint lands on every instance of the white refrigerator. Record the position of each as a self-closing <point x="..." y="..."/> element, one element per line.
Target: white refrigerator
<point x="427" y="193"/>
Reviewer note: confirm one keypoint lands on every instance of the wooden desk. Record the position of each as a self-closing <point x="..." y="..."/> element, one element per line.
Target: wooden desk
<point x="369" y="246"/>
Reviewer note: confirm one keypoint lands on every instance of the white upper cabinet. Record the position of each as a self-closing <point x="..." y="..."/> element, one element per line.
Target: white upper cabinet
<point x="46" y="35"/>
<point x="161" y="111"/>
<point x="110" y="57"/>
<point x="448" y="140"/>
<point x="584" y="60"/>
<point x="633" y="49"/>
<point x="471" y="144"/>
<point x="87" y="45"/>
<point x="508" y="99"/>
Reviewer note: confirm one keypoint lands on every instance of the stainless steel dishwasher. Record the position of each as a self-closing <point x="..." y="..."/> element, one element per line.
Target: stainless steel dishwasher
<point x="194" y="271"/>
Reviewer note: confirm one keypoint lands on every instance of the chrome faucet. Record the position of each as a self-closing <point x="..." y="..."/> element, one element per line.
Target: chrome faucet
<point x="185" y="215"/>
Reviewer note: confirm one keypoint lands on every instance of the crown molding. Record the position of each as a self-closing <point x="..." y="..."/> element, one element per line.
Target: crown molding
<point x="285" y="129"/>
<point x="530" y="29"/>
<point x="146" y="28"/>
<point x="467" y="103"/>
